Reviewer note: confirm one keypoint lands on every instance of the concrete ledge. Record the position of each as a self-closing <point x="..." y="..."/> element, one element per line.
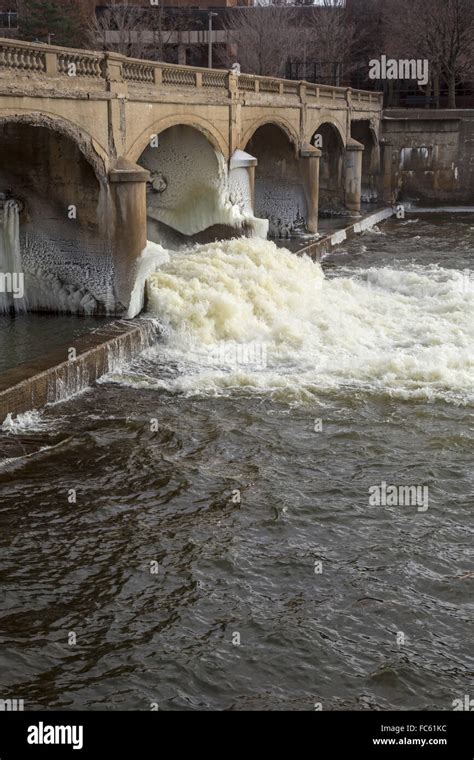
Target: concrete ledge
<point x="322" y="247"/>
<point x="55" y="377"/>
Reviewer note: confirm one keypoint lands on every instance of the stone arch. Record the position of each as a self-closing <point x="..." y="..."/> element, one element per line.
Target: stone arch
<point x="188" y="197"/>
<point x="283" y="124"/>
<point x="334" y="122"/>
<point x="94" y="153"/>
<point x="280" y="195"/>
<point x="54" y="169"/>
<point x="329" y="139"/>
<point x="362" y="130"/>
<point x="210" y="132"/>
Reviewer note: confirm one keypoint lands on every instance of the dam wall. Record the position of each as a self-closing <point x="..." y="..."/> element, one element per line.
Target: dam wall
<point x="430" y="155"/>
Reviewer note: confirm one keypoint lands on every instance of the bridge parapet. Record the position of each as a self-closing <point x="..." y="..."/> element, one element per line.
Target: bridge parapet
<point x="89" y="68"/>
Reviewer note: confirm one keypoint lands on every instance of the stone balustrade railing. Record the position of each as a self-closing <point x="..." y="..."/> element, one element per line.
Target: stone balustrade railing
<point x="89" y="66"/>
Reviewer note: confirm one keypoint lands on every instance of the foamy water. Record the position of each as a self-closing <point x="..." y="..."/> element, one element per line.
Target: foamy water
<point x="246" y="313"/>
<point x="26" y="422"/>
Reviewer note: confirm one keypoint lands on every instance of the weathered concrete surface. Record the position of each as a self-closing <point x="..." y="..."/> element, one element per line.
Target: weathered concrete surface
<point x="128" y="226"/>
<point x="431" y="155"/>
<point x="55" y="377"/>
<point x="353" y="175"/>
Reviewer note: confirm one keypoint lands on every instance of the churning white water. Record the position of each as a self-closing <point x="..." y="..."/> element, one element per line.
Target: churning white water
<point x="11" y="270"/>
<point x="244" y="313"/>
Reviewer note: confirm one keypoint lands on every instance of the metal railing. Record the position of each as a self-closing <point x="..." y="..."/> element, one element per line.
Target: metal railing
<point x="102" y="68"/>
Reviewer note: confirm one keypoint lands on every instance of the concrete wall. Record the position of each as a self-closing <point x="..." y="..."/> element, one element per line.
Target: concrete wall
<point x="432" y="155"/>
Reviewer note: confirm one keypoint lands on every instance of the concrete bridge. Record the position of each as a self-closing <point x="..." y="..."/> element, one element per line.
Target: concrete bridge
<point x="103" y="151"/>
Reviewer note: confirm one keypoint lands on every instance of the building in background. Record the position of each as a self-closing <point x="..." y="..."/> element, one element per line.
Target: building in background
<point x="8" y="18"/>
<point x="176" y="31"/>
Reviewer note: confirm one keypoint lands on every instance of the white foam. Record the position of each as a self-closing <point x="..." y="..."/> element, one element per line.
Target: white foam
<point x="25" y="423"/>
<point x="408" y="333"/>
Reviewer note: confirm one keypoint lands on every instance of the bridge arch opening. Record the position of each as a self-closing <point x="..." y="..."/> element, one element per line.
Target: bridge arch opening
<point x="363" y="132"/>
<point x="279" y="185"/>
<point x="331" y="185"/>
<point x="187" y="195"/>
<point x="61" y="199"/>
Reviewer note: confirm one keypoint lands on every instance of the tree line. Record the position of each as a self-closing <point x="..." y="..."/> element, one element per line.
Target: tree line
<point x="338" y="37"/>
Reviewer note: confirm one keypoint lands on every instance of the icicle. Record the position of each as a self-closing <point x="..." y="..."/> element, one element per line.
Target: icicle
<point x="12" y="294"/>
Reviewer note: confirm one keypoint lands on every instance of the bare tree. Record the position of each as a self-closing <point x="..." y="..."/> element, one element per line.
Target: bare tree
<point x="262" y="38"/>
<point x="440" y="31"/>
<point x="266" y="36"/>
<point x="118" y="28"/>
<point x="368" y="18"/>
<point x="138" y="32"/>
<point x="329" y="38"/>
<point x="456" y="18"/>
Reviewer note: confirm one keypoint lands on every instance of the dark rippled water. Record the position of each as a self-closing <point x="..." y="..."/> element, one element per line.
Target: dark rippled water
<point x="229" y="559"/>
<point x="26" y="337"/>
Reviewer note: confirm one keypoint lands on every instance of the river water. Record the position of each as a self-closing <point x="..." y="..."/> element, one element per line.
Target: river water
<point x="31" y="336"/>
<point x="196" y="531"/>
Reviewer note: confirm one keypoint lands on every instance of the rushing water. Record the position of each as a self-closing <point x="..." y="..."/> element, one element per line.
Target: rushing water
<point x="222" y="552"/>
